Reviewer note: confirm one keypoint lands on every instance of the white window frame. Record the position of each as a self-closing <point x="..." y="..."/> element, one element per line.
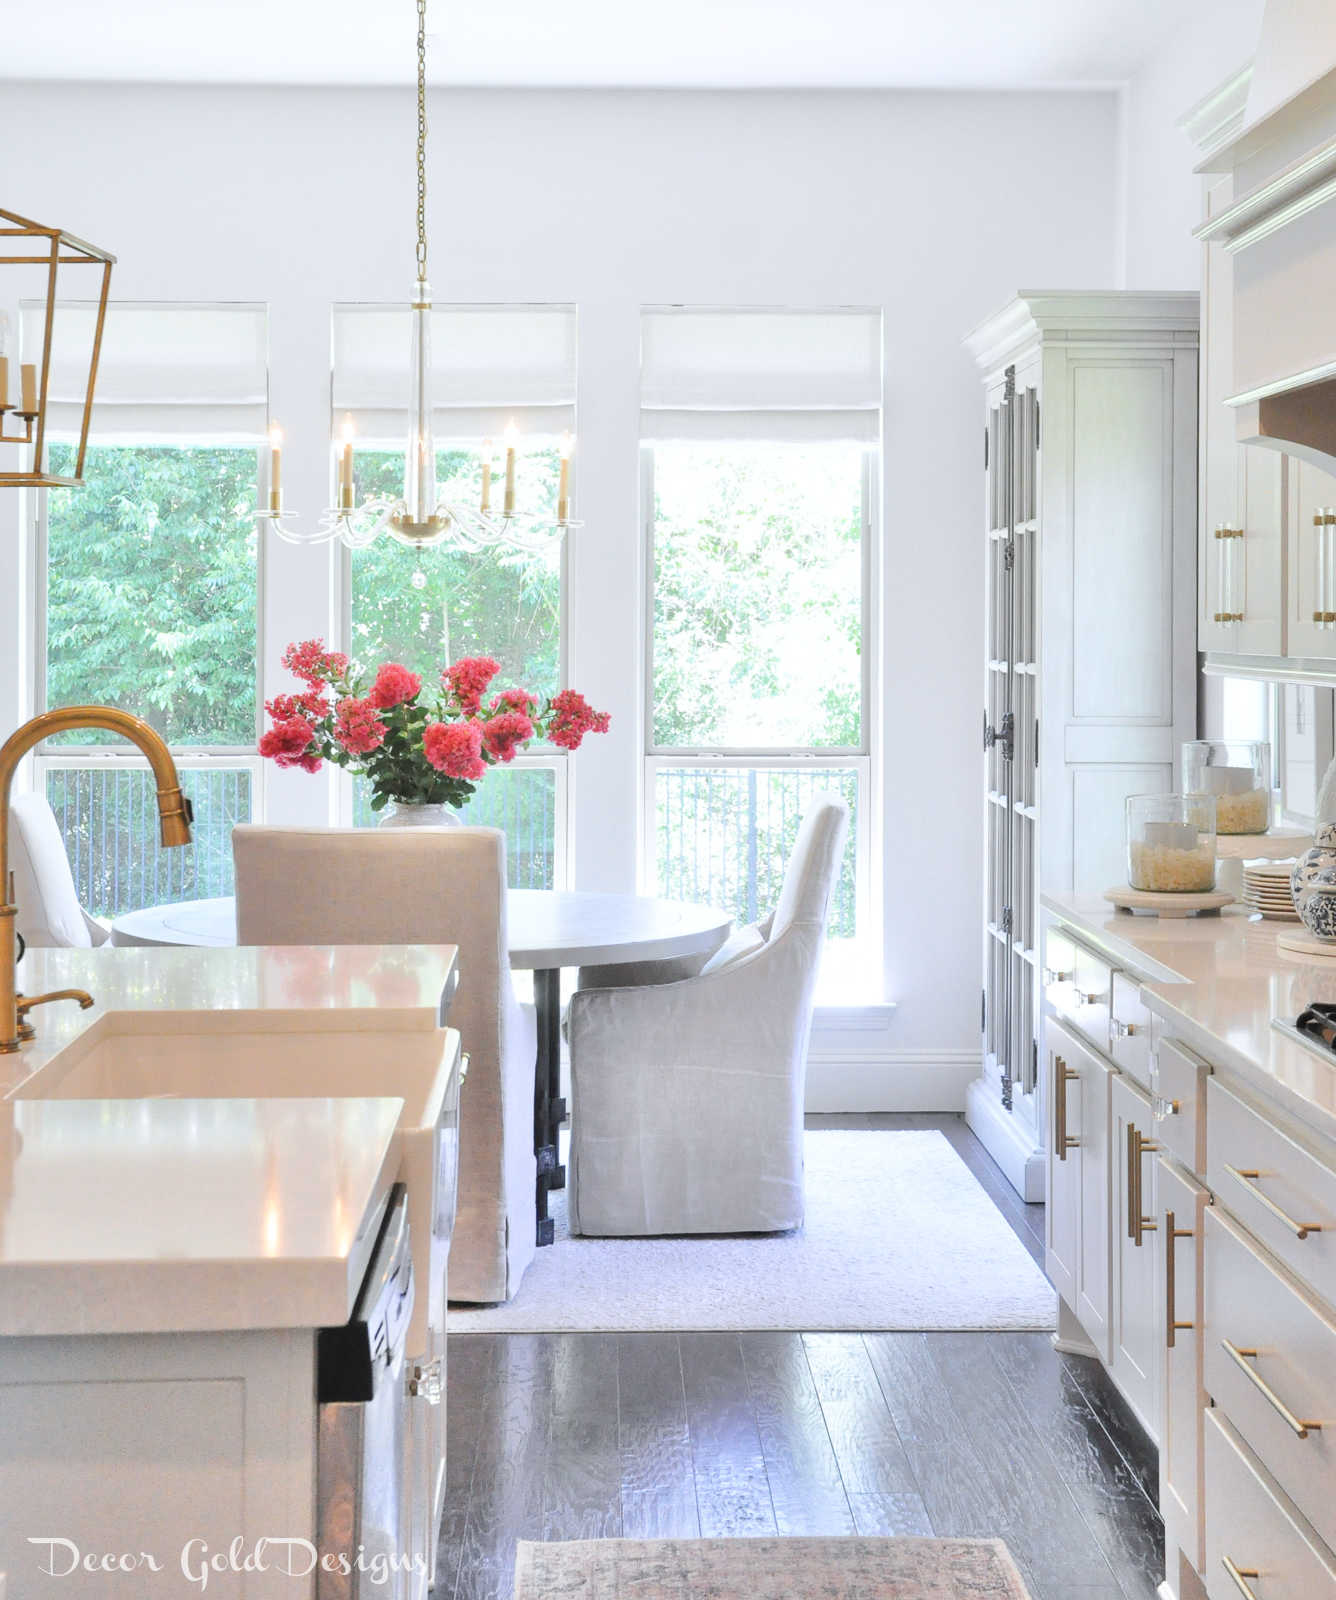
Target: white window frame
<point x="862" y="759"/>
<point x="48" y="757"/>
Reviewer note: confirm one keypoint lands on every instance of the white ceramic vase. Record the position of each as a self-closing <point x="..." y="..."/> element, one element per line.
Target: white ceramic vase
<point x="403" y="814"/>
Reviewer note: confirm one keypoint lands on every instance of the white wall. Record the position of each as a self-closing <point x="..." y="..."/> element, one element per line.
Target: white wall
<point x="1163" y="201"/>
<point x="935" y="206"/>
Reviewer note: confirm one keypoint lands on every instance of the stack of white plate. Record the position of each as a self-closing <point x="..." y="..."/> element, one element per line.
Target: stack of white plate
<point x="1266" y="888"/>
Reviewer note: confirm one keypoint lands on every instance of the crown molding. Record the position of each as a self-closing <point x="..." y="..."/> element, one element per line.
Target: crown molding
<point x="1218" y="116"/>
<point x="1082" y="316"/>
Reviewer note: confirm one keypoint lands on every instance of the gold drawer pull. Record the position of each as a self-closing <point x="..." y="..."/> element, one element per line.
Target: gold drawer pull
<point x="1062" y="1076"/>
<point x="1138" y="1145"/>
<point x="1241" y="1358"/>
<point x="1122" y="1030"/>
<point x="1248" y="1176"/>
<point x="1240" y="1576"/>
<point x="1092" y="999"/>
<point x="1171" y="1232"/>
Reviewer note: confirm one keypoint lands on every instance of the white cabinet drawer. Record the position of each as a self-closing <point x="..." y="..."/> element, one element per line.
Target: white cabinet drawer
<point x="1279" y="1190"/>
<point x="1178" y="1095"/>
<point x="1129" y="1028"/>
<point x="1253" y="1530"/>
<point x="1079" y="986"/>
<point x="1270" y="1366"/>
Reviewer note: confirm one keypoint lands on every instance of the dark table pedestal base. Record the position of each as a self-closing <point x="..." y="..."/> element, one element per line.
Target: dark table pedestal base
<point x="549" y="1109"/>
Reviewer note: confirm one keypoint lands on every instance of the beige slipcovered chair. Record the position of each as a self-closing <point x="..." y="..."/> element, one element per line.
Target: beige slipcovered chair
<point x="49" y="912"/>
<point x="687" y="1098"/>
<point x="425" y="886"/>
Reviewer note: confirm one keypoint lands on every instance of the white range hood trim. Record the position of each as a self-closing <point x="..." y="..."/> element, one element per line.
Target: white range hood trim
<point x="1297" y="189"/>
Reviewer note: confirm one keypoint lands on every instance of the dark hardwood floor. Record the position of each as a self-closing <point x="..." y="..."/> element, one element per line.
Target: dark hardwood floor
<point x="652" y="1435"/>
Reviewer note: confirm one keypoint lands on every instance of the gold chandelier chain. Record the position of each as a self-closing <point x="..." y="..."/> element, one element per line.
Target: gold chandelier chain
<point x="422" y="139"/>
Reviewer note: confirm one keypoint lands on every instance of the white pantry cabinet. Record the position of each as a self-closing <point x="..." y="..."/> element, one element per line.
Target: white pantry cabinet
<point x="1076" y="1216"/>
<point x="1089" y="671"/>
<point x="1135" y="1355"/>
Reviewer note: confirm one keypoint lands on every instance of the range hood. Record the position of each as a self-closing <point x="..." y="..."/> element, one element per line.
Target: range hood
<point x="1279" y="228"/>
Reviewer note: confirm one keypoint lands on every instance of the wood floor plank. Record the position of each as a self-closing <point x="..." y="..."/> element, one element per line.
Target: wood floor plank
<point x="654" y="1444"/>
<point x="582" y="1471"/>
<point x="868" y="1449"/>
<point x="1125" y="1522"/>
<point x="959" y="1496"/>
<point x="888" y="1516"/>
<point x="469" y="1362"/>
<point x="506" y="1500"/>
<point x="806" y="1489"/>
<point x="732" y="1489"/>
<point x="1051" y="1539"/>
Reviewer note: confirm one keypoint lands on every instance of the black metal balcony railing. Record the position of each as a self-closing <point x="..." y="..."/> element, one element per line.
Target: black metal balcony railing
<point x="724" y="836"/>
<point x="109" y="819"/>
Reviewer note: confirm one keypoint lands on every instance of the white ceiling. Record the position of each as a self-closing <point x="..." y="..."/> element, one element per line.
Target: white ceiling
<point x="602" y="43"/>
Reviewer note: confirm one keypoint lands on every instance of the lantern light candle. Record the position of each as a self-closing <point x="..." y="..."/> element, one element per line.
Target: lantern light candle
<point x="4" y="361"/>
<point x="486" y="477"/>
<point x="564" y="485"/>
<point x="28" y="385"/>
<point x="512" y="435"/>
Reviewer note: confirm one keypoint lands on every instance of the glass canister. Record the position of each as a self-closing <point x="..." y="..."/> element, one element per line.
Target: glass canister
<point x="1238" y="774"/>
<point x="1171" y="843"/>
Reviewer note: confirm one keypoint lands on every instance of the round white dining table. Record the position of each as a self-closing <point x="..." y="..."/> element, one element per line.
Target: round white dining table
<point x="548" y="929"/>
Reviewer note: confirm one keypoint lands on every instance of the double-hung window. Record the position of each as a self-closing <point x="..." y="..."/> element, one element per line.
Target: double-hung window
<point x="147" y="591"/>
<point x="495" y="367"/>
<point x="760" y="437"/>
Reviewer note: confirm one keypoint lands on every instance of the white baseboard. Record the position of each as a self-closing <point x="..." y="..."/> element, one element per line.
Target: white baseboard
<point x="1009" y="1144"/>
<point x="889" y="1080"/>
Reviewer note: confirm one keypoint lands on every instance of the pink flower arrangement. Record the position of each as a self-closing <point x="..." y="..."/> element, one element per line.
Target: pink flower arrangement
<point x="414" y="749"/>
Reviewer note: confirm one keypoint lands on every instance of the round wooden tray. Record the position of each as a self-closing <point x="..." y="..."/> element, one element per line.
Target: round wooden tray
<point x="1166" y="905"/>
<point x="1278" y="845"/>
<point x="1300" y="942"/>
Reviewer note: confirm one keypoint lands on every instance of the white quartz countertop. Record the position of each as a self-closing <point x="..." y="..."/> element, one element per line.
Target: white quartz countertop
<point x="346" y="988"/>
<point x="1218" y="982"/>
<point x="154" y="1216"/>
<point x="173" y="1213"/>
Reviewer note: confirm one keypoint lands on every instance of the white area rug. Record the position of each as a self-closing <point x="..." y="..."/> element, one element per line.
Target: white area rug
<point x="899" y="1235"/>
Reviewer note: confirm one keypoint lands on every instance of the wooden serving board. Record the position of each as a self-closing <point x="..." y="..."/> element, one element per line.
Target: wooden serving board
<point x="1167" y="905"/>
<point x="1302" y="943"/>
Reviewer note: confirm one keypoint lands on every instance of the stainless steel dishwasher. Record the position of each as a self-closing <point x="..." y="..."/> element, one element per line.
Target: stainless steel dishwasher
<point x="363" y="1520"/>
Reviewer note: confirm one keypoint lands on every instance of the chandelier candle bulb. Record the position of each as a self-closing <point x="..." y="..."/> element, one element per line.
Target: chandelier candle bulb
<point x="509" y="504"/>
<point x="564" y="486"/>
<point x="4" y="383"/>
<point x="486" y="505"/>
<point x="275" y="466"/>
<point x="28" y="385"/>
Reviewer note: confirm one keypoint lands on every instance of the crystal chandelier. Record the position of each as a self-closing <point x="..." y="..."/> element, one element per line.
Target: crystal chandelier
<point x="420" y="518"/>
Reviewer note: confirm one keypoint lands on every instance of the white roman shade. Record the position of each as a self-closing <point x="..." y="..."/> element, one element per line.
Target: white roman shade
<point x="491" y="365"/>
<point x="760" y="374"/>
<point x="169" y="372"/>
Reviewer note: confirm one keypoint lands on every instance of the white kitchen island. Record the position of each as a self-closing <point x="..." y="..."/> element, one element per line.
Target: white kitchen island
<point x="169" y="1250"/>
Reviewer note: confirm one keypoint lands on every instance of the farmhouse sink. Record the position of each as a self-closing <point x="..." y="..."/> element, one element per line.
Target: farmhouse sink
<point x="244" y="1055"/>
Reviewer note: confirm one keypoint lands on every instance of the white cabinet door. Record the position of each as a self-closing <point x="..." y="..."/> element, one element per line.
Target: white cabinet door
<point x="1134" y="1363"/>
<point x="1062" y="1214"/>
<point x="1311" y="540"/>
<point x="1178" y="1253"/>
<point x="1077" y="1258"/>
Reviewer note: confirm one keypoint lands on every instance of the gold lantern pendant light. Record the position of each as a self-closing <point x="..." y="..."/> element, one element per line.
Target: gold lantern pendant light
<point x="25" y="405"/>
<point x="421" y="518"/>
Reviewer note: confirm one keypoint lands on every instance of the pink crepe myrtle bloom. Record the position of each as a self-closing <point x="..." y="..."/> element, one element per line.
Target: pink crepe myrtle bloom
<point x="394" y="684"/>
<point x="467" y="680"/>
<point x="310" y="704"/>
<point x="288" y="744"/>
<point x="514" y="700"/>
<point x="357" y="727"/>
<point x="504" y="733"/>
<point x="572" y="718"/>
<point x="310" y="661"/>
<point x="454" y="748"/>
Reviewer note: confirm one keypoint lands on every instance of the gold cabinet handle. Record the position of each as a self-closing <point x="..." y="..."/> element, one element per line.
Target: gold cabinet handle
<point x="1062" y="1076"/>
<point x="1237" y="616"/>
<point x="1324" y="616"/>
<point x="1052" y="976"/>
<point x="1091" y="999"/>
<point x="1138" y="1225"/>
<point x="1240" y="1576"/>
<point x="1248" y="1177"/>
<point x="1225" y="532"/>
<point x="1170" y="1234"/>
<point x="1241" y="1358"/>
<point x="1122" y="1030"/>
